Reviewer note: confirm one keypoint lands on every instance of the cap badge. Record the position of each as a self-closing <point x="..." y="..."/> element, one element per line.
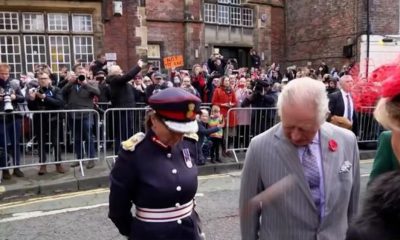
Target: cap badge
<point x="190" y="113"/>
<point x="187" y="158"/>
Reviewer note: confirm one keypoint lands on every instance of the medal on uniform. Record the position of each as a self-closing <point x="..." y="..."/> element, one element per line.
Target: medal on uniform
<point x="187" y="158"/>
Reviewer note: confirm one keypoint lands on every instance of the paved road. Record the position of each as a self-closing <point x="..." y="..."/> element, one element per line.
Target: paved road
<point x="83" y="215"/>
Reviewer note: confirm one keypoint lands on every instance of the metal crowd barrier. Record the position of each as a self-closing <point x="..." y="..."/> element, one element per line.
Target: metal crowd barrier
<point x="33" y="138"/>
<point x="118" y="125"/>
<point x="368" y="128"/>
<point x="249" y="122"/>
<point x="67" y="136"/>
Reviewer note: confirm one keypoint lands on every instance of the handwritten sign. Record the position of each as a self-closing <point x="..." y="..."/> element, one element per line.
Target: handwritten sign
<point x="173" y="61"/>
<point x="111" y="56"/>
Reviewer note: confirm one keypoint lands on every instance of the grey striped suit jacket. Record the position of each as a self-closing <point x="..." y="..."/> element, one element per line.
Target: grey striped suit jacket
<point x="294" y="216"/>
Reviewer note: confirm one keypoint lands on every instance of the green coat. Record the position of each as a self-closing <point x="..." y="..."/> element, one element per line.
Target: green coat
<point x="385" y="160"/>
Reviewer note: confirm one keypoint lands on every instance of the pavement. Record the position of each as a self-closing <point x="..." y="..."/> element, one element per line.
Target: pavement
<point x="73" y="180"/>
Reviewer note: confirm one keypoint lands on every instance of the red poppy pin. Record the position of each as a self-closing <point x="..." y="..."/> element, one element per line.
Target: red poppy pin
<point x="332" y="144"/>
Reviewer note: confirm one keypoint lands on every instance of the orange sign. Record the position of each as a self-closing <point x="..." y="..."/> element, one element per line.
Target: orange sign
<point x="173" y="61"/>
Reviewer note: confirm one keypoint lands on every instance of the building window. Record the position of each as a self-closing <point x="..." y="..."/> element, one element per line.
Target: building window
<point x="223" y="14"/>
<point x="59" y="51"/>
<point x="247" y="17"/>
<point x="210" y="13"/>
<point x="35" y="51"/>
<point x="82" y="23"/>
<point x="11" y="53"/>
<point x="83" y="48"/>
<point x="9" y="21"/>
<point x="33" y="22"/>
<point x="154" y="54"/>
<point x="228" y="12"/>
<point x="56" y="39"/>
<point x="58" y="22"/>
<point x="236" y="16"/>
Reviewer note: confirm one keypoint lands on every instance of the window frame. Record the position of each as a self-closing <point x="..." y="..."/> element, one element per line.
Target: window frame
<point x="229" y="13"/>
<point x="18" y="22"/>
<point x="25" y="60"/>
<point x="32" y="30"/>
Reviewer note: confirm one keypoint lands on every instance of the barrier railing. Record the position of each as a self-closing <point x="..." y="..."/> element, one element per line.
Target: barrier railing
<point x="368" y="128"/>
<point x="118" y="125"/>
<point x="248" y="122"/>
<point x="33" y="138"/>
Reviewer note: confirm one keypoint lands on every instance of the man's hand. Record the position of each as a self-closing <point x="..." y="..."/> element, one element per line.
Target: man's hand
<point x="40" y="95"/>
<point x="32" y="95"/>
<point x="140" y="63"/>
<point x="13" y="97"/>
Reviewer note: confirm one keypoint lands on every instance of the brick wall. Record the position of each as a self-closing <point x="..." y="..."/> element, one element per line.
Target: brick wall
<point x="317" y="31"/>
<point x="384" y="17"/>
<point x="120" y="34"/>
<point x="278" y="35"/>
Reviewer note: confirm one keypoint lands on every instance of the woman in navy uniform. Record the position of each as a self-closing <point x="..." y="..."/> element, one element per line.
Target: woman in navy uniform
<point x="156" y="172"/>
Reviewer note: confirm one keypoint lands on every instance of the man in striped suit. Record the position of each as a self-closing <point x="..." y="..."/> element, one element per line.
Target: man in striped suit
<point x="320" y="196"/>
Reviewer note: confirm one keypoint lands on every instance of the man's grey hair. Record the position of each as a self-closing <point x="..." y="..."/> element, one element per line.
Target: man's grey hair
<point x="344" y="78"/>
<point x="307" y="92"/>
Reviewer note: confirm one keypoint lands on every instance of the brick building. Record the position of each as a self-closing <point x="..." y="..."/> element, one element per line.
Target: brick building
<point x="328" y="30"/>
<point x="289" y="32"/>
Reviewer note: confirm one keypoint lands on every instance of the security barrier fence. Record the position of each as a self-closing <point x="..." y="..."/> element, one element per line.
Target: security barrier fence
<point x="33" y="138"/>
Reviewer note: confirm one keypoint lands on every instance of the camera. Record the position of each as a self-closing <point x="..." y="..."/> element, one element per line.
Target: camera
<point x="81" y="78"/>
<point x="8" y="107"/>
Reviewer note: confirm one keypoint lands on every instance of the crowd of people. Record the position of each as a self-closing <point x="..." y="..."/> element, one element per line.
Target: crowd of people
<point x="304" y="167"/>
<point x="219" y="83"/>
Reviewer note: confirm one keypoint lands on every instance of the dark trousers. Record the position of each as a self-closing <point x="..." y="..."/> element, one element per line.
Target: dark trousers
<point x="216" y="143"/>
<point x="10" y="137"/>
<point x="46" y="131"/>
<point x="82" y="131"/>
<point x="123" y="122"/>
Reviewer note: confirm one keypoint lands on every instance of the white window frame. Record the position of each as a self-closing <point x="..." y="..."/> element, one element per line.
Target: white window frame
<point x="42" y="56"/>
<point x="39" y="26"/>
<point x="236" y="2"/>
<point x="154" y="55"/>
<point x="4" y="19"/>
<point x="235" y="16"/>
<point x="55" y="64"/>
<point x="16" y="66"/>
<point x="210" y="13"/>
<point x="55" y="27"/>
<point x="247" y="17"/>
<point x="223" y="14"/>
<point x="77" y="27"/>
<point x="86" y="50"/>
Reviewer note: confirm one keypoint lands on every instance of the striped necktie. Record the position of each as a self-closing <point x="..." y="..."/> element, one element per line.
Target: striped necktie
<point x="312" y="175"/>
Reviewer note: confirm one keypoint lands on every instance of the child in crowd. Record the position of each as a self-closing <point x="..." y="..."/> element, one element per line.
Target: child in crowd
<point x="204" y="144"/>
<point x="216" y="120"/>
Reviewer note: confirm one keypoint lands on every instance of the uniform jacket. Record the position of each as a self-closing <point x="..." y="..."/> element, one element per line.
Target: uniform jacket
<point x="149" y="177"/>
<point x="270" y="157"/>
<point x="220" y="97"/>
<point x="336" y="107"/>
<point x="122" y="92"/>
<point x="385" y="160"/>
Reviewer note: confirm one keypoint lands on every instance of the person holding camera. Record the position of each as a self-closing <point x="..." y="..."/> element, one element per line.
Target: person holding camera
<point x="216" y="62"/>
<point x="78" y="93"/>
<point x="45" y="125"/>
<point x="10" y="124"/>
<point x="122" y="96"/>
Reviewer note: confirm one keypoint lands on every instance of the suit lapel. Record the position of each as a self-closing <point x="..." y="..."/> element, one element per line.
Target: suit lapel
<point x="327" y="159"/>
<point x="289" y="155"/>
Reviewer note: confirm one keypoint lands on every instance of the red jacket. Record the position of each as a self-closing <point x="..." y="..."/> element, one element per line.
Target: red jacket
<point x="220" y="97"/>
